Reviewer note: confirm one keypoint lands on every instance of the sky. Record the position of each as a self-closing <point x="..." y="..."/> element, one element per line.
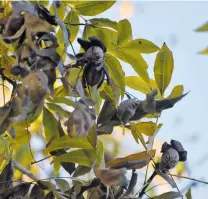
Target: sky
<point x="174" y="23"/>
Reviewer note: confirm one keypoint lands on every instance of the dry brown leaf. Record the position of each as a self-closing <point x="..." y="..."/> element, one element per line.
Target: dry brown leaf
<point x="137" y="160"/>
<point x="36" y="85"/>
<point x="36" y="24"/>
<point x="81" y="120"/>
<point x="109" y="176"/>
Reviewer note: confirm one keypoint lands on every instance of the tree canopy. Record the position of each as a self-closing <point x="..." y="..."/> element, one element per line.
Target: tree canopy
<point x="73" y="98"/>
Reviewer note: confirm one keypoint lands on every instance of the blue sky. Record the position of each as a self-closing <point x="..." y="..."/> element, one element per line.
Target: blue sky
<point x="174" y="23"/>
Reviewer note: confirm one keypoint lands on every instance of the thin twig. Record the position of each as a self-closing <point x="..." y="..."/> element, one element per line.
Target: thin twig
<point x="24" y="170"/>
<point x="132" y="183"/>
<point x="5" y="86"/>
<point x="29" y="143"/>
<point x="4" y="77"/>
<point x="156" y="122"/>
<point x="147" y="184"/>
<point x="80" y="24"/>
<point x="156" y="186"/>
<point x="185" y="177"/>
<point x="35" y="162"/>
<point x="30" y="175"/>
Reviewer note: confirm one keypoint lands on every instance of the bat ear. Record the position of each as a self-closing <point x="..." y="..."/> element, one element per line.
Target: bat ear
<point x="96" y="41"/>
<point x="84" y="44"/>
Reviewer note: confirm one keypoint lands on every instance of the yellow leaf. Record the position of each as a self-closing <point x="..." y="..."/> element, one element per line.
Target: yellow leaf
<point x="124" y="32"/>
<point x="22" y="137"/>
<point x="56" y="167"/>
<point x="204" y="52"/>
<point x="176" y="92"/>
<point x="82" y="156"/>
<point x="142" y="46"/>
<point x="137" y="134"/>
<point x="116" y="72"/>
<point x="60" y="11"/>
<point x="203" y="28"/>
<point x="35" y="126"/>
<point x="138" y="83"/>
<point x="147" y="128"/>
<point x="135" y="59"/>
<point x="163" y="68"/>
<point x="91" y="8"/>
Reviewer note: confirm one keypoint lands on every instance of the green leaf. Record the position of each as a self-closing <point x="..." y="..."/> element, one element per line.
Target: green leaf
<point x="188" y="194"/>
<point x="92" y="136"/>
<point x="61" y="100"/>
<point x="99" y="153"/>
<point x="124" y="32"/>
<point x="62" y="184"/>
<point x="137" y="83"/>
<point x="163" y="68"/>
<point x="58" y="109"/>
<point x="66" y="141"/>
<point x="116" y="72"/>
<point x="106" y="92"/>
<point x="73" y="18"/>
<point x="79" y="156"/>
<point x="104" y="22"/>
<point x="50" y="124"/>
<point x="91" y="8"/>
<point x="141" y="45"/>
<point x="147" y="128"/>
<point x="82" y="156"/>
<point x="168" y="195"/>
<point x="60" y="91"/>
<point x="81" y="170"/>
<point x="176" y="92"/>
<point x="7" y="63"/>
<point x="203" y="28"/>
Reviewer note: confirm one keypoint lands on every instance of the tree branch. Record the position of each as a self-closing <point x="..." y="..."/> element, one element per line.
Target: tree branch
<point x="147" y="184"/>
<point x="25" y="171"/>
<point x="132" y="183"/>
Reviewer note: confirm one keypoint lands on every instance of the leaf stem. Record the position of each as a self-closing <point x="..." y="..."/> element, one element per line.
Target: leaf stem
<point x="188" y="178"/>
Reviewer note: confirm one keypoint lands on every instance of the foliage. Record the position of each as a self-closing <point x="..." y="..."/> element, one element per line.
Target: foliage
<point x="72" y="98"/>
